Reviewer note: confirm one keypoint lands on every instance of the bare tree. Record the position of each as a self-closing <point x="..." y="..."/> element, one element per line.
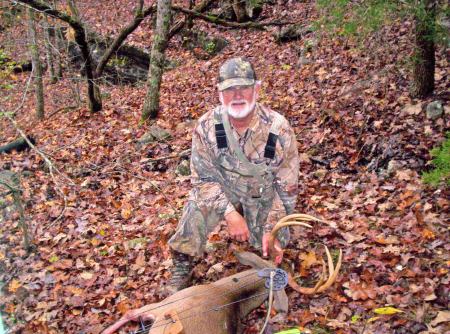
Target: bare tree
<point x="95" y="104"/>
<point x="37" y="67"/>
<point x="157" y="57"/>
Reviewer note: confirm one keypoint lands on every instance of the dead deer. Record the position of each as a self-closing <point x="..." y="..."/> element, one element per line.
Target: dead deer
<point x="219" y="307"/>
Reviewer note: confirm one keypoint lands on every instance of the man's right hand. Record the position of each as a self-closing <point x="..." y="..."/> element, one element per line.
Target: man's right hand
<point x="237" y="226"/>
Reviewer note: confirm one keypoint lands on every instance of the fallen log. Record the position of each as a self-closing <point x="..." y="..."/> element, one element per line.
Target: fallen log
<point x="17" y="145"/>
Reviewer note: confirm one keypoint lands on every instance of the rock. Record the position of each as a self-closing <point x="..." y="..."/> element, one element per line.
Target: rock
<point x="434" y="110"/>
<point x="155" y="133"/>
<point x="393" y="166"/>
<point x="183" y="168"/>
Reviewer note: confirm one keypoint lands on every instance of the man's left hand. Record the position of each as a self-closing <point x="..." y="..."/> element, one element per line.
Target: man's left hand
<point x="278" y="251"/>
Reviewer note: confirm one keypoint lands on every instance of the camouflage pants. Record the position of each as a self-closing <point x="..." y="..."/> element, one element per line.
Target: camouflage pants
<point x="204" y="211"/>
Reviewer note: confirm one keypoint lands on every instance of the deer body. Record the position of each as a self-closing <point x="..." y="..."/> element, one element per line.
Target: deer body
<point x="219" y="307"/>
<point x="204" y="308"/>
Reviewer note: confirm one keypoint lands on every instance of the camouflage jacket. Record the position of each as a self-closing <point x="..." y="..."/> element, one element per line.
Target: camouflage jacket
<point x="218" y="170"/>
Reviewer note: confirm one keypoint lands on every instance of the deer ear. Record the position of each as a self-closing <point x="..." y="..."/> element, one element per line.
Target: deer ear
<point x="253" y="260"/>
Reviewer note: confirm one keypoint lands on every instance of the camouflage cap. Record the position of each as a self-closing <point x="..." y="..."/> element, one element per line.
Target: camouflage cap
<point x="236" y="72"/>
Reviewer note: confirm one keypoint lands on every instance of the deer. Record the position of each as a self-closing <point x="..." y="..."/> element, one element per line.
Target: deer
<point x="220" y="306"/>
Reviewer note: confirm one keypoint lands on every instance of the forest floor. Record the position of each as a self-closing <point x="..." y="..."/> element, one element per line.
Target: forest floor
<point x="100" y="226"/>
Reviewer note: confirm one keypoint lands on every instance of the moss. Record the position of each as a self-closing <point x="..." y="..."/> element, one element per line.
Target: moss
<point x="441" y="162"/>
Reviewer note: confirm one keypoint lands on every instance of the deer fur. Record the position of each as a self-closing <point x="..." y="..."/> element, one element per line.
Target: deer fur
<point x="195" y="306"/>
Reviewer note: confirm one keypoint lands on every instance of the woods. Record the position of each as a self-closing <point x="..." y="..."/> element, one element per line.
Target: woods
<point x="98" y="105"/>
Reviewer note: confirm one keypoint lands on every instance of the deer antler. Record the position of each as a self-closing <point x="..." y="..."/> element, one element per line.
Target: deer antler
<point x="324" y="281"/>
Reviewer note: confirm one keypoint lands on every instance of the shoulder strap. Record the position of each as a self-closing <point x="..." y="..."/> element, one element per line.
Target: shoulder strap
<point x="221" y="135"/>
<point x="269" y="150"/>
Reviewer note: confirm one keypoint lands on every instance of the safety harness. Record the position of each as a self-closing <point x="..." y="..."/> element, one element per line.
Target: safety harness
<point x="222" y="142"/>
<point x="256" y="173"/>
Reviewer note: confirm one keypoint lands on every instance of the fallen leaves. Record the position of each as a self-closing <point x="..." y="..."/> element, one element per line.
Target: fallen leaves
<point x="359" y="291"/>
<point x="87" y="275"/>
<point x="14" y="285"/>
<point x="110" y="248"/>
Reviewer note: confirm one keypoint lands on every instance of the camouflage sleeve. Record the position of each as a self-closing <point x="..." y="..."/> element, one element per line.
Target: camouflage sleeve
<point x="204" y="174"/>
<point x="286" y="180"/>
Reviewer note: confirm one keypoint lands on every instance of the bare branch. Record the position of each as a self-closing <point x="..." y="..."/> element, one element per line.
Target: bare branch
<point x="216" y="20"/>
<point x="139" y="17"/>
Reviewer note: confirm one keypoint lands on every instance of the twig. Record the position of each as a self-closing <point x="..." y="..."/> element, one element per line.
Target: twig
<point x="182" y="154"/>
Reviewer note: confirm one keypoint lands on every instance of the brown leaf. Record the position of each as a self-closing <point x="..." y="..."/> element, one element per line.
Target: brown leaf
<point x="308" y="259"/>
<point x="14" y="285"/>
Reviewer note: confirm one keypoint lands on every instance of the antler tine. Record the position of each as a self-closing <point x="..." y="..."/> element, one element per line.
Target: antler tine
<point x="325" y="280"/>
<point x="294" y="219"/>
<point x="322" y="277"/>
<point x="299" y="216"/>
<point x="278" y="226"/>
<point x="320" y="285"/>
<point x="333" y="270"/>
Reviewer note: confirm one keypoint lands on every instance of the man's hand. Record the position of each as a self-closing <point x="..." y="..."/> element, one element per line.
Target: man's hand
<point x="237" y="226"/>
<point x="278" y="255"/>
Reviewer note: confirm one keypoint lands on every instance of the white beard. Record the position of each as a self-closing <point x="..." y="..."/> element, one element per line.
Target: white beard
<point x="240" y="111"/>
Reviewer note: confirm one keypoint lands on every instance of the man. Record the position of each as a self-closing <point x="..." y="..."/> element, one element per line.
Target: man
<point x="244" y="168"/>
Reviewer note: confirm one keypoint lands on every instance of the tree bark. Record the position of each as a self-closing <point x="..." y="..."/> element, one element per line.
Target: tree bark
<point x="95" y="98"/>
<point x="59" y="45"/>
<point x="189" y="21"/>
<point x="424" y="56"/>
<point x="49" y="50"/>
<point x="151" y="103"/>
<point x="239" y="10"/>
<point x="36" y="65"/>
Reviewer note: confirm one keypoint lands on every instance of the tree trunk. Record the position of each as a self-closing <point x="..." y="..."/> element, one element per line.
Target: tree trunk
<point x="37" y="66"/>
<point x="49" y="50"/>
<point x="239" y="10"/>
<point x="59" y="45"/>
<point x="189" y="21"/>
<point x="151" y="103"/>
<point x="424" y="56"/>
<point x="94" y="96"/>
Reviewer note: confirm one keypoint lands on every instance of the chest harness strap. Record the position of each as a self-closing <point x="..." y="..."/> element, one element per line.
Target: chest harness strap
<point x="269" y="150"/>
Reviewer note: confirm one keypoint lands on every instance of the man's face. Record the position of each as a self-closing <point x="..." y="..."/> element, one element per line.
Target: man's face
<point x="239" y="101"/>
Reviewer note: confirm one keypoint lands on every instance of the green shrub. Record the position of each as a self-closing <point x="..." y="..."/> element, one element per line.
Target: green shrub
<point x="441" y="163"/>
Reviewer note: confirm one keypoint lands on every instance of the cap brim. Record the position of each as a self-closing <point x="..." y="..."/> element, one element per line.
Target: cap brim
<point x="235" y="82"/>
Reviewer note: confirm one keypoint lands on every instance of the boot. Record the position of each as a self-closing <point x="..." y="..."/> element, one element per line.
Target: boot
<point x="181" y="271"/>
